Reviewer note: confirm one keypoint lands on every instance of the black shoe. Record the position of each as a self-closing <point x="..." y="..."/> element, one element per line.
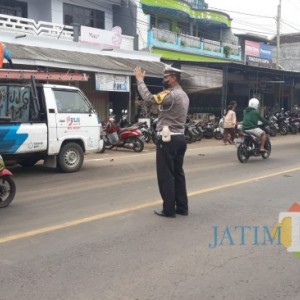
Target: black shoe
<point x="162" y="214"/>
<point x="182" y="212"/>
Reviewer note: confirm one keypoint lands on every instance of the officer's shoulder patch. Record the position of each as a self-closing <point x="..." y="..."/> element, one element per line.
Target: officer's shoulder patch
<point x="159" y="98"/>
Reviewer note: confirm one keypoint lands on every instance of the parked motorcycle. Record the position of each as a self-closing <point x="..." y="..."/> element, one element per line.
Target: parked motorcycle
<point x="219" y="130"/>
<point x="274" y="128"/>
<point x="292" y="122"/>
<point x="189" y="133"/>
<point x="248" y="145"/>
<point x="7" y="185"/>
<point x="198" y="132"/>
<point x="192" y="131"/>
<point x="282" y="122"/>
<point x="296" y="124"/>
<point x="130" y="137"/>
<point x="153" y="124"/>
<point x="124" y="119"/>
<point x="146" y="132"/>
<point x="208" y="129"/>
<point x="144" y="128"/>
<point x="149" y="132"/>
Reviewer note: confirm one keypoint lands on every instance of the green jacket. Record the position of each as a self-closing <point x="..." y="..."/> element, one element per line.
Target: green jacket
<point x="251" y="118"/>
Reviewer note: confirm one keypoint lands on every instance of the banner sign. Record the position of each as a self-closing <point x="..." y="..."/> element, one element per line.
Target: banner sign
<point x="92" y="35"/>
<point x="266" y="51"/>
<point x="252" y="48"/>
<point x="110" y="82"/>
<point x="258" y="54"/>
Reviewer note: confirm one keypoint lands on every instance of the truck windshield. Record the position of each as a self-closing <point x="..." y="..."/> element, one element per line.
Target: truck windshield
<point x="68" y="101"/>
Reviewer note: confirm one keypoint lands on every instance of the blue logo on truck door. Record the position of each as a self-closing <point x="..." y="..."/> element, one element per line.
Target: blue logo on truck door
<point x="10" y="140"/>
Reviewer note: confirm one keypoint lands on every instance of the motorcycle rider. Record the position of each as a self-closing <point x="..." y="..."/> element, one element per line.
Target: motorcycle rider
<point x="250" y="122"/>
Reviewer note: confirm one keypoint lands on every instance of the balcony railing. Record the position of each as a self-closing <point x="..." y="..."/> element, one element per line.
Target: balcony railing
<point x="165" y="36"/>
<point x="234" y="49"/>
<point x="189" y="41"/>
<point x="189" y="44"/>
<point x="213" y="46"/>
<point x="48" y="29"/>
<point x="41" y="28"/>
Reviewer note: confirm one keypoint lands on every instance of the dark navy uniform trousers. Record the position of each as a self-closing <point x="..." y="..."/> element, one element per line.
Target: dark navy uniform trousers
<point x="170" y="174"/>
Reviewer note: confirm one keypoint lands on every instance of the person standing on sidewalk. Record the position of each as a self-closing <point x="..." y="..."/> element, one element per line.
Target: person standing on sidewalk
<point x="173" y="104"/>
<point x="229" y="123"/>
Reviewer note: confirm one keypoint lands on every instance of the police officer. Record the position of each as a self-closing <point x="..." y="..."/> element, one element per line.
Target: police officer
<point x="173" y="105"/>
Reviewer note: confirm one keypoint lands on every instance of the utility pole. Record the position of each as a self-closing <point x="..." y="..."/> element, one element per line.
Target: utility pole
<point x="278" y="35"/>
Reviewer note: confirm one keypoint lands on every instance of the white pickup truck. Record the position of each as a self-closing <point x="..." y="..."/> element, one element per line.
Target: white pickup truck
<point x="54" y="123"/>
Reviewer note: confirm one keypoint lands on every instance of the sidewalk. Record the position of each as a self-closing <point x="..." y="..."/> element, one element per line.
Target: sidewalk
<point x="150" y="147"/>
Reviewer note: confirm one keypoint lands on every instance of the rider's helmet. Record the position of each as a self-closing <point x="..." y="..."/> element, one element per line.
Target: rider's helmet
<point x="253" y="102"/>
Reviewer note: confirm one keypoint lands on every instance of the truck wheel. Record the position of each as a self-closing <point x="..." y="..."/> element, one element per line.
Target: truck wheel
<point x="70" y="158"/>
<point x="102" y="149"/>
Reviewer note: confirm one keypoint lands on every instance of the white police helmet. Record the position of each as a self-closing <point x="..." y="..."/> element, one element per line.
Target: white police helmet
<point x="253" y="102"/>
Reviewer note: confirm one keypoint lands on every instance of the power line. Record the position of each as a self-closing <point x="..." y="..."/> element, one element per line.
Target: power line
<point x="241" y="13"/>
<point x="288" y="25"/>
<point x="257" y="16"/>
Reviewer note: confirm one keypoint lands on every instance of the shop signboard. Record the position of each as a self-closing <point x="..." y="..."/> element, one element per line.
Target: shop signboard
<point x="258" y="54"/>
<point x="111" y="82"/>
<point x="101" y="37"/>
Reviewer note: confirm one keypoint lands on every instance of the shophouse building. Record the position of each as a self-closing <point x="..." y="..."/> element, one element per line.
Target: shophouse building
<point x="95" y="37"/>
<point x="107" y="39"/>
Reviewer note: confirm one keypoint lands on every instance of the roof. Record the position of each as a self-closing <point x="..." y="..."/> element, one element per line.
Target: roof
<point x="254" y="38"/>
<point x="40" y="56"/>
<point x="242" y="67"/>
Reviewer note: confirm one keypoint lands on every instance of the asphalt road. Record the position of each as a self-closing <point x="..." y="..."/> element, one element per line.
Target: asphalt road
<point x="93" y="234"/>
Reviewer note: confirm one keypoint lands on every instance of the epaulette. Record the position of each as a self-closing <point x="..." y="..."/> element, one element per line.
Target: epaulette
<point x="159" y="98"/>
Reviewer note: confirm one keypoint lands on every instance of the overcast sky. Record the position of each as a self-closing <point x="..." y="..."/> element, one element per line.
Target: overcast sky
<point x="259" y="16"/>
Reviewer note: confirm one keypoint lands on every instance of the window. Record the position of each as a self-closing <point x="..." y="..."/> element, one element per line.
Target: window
<point x="13" y="8"/>
<point x="70" y="102"/>
<point x="16" y="104"/>
<point x="184" y="28"/>
<point x="83" y="16"/>
<point x="163" y="24"/>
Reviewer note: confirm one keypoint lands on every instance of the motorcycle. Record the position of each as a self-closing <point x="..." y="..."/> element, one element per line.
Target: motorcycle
<point x="189" y="133"/>
<point x="208" y="129"/>
<point x="124" y="119"/>
<point x="296" y="124"/>
<point x="146" y="132"/>
<point x="219" y="130"/>
<point x="282" y="122"/>
<point x="153" y="124"/>
<point x="192" y="131"/>
<point x="198" y="132"/>
<point x="292" y="122"/>
<point x="130" y="137"/>
<point x="274" y="127"/>
<point x="248" y="145"/>
<point x="7" y="185"/>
